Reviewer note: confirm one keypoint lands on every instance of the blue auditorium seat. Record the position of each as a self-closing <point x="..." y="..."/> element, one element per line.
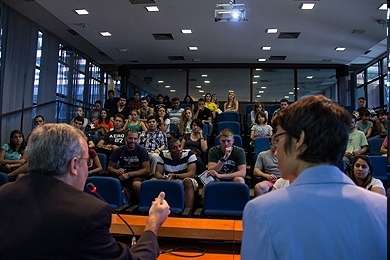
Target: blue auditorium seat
<point x="374" y="145"/>
<point x="110" y="189"/>
<point x="379" y="169"/>
<point x="3" y="178"/>
<point x="174" y="195"/>
<point x="234" y="126"/>
<point x="237" y="140"/>
<point x="225" y="199"/>
<point x="262" y="144"/>
<point x="229" y="116"/>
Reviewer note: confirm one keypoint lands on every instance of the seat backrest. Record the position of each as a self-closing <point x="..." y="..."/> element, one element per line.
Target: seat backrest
<point x="262" y="144"/>
<point x="237" y="140"/>
<point x="234" y="126"/>
<point x="225" y="198"/>
<point x="3" y="178"/>
<point x="229" y="116"/>
<point x="110" y="189"/>
<point x="379" y="166"/>
<point x="174" y="194"/>
<point x="374" y="145"/>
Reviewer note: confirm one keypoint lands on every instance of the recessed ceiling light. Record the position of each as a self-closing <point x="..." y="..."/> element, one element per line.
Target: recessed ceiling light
<point x="307" y="6"/>
<point x="340" y="49"/>
<point x="309" y="77"/>
<point x="207" y="81"/>
<point x="266" y="48"/>
<point x="258" y="96"/>
<point x="263" y="87"/>
<point x="256" y="76"/>
<point x="105" y="34"/>
<point x="167" y="86"/>
<point x="204" y="75"/>
<point x="186" y="31"/>
<point x="383" y="7"/>
<point x="297" y="88"/>
<point x="81" y="11"/>
<point x="261" y="91"/>
<point x="199" y="86"/>
<point x="261" y="59"/>
<point x="286" y="96"/>
<point x="291" y="93"/>
<point x="160" y="81"/>
<point x="123" y="50"/>
<point x="272" y="30"/>
<point x="254" y="82"/>
<point x="201" y="91"/>
<point x="259" y="69"/>
<point x="172" y="90"/>
<point x="152" y="8"/>
<point x="193" y="48"/>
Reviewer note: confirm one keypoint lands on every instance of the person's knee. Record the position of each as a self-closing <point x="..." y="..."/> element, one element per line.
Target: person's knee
<point x="188" y="184"/>
<point x="239" y="179"/>
<point x="136" y="185"/>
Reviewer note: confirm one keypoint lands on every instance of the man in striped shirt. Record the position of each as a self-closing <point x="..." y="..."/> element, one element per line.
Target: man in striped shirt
<point x="176" y="164"/>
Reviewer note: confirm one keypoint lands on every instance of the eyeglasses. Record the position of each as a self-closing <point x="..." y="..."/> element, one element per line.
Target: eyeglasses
<point x="275" y="137"/>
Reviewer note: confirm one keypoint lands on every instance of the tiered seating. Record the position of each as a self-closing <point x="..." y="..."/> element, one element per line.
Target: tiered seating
<point x="374" y="145"/>
<point x="379" y="163"/>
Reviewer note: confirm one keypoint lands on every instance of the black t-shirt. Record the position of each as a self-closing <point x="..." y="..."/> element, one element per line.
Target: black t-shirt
<point x="115" y="138"/>
<point x="130" y="160"/>
<point x="205" y="114"/>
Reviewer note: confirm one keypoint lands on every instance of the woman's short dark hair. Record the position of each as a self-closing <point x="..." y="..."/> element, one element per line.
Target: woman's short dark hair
<point x="368" y="178"/>
<point x="325" y="125"/>
<point x="262" y="114"/>
<point x="22" y="146"/>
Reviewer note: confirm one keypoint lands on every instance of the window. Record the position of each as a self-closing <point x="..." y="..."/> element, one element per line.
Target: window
<point x="317" y="82"/>
<point x="38" y="58"/>
<point x="271" y="85"/>
<point x="373" y="71"/>
<point x="373" y="95"/>
<point x="360" y="78"/>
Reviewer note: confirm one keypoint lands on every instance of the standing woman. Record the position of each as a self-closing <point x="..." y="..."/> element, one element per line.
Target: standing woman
<point x="231" y="105"/>
<point x="11" y="153"/>
<point x="134" y="124"/>
<point x="361" y="174"/>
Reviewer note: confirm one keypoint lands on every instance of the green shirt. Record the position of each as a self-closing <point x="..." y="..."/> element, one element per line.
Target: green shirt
<point x="356" y="141"/>
<point x="236" y="158"/>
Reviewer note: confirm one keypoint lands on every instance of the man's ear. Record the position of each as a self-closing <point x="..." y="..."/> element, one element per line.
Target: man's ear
<point x="73" y="166"/>
<point x="300" y="145"/>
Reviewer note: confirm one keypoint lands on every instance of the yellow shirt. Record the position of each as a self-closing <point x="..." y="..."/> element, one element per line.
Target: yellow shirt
<point x="212" y="106"/>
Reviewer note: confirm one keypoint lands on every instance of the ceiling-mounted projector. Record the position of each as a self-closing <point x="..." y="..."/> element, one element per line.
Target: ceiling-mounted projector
<point x="230" y="12"/>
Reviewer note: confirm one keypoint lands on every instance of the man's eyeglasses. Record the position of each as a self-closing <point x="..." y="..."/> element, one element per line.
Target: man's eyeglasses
<point x="275" y="137"/>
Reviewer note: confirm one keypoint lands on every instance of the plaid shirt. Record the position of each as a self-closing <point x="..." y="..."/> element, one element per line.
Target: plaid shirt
<point x="153" y="140"/>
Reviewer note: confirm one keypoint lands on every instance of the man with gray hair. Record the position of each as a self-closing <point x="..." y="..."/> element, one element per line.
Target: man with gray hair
<point x="63" y="221"/>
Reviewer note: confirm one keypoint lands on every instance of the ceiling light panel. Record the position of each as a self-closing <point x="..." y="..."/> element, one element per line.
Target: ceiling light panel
<point x="383" y="7"/>
<point x="272" y="30"/>
<point x="340" y="49"/>
<point x="186" y="31"/>
<point x="261" y="59"/>
<point x="266" y="48"/>
<point x="307" y="6"/>
<point x="81" y="11"/>
<point x="193" y="48"/>
<point x="105" y="34"/>
<point x="152" y="8"/>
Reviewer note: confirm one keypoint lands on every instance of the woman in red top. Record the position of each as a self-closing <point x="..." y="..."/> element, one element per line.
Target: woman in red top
<point x="104" y="121"/>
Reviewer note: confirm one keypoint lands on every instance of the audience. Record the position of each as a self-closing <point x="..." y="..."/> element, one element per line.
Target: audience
<point x="203" y="113"/>
<point x="130" y="163"/>
<point x="175" y="111"/>
<point x="211" y="105"/>
<point x="11" y="154"/>
<point x="361" y="174"/>
<point x="163" y="119"/>
<point x="260" y="127"/>
<point x="121" y="108"/>
<point x="226" y="161"/>
<point x="357" y="144"/>
<point x="115" y="138"/>
<point x="176" y="164"/>
<point x="145" y="110"/>
<point x="364" y="124"/>
<point x="381" y="123"/>
<point x="105" y="122"/>
<point x="134" y="124"/>
<point x="283" y="104"/>
<point x="185" y="121"/>
<point x="135" y="102"/>
<point x="111" y="102"/>
<point x="231" y="105"/>
<point x="258" y="107"/>
<point x="188" y="102"/>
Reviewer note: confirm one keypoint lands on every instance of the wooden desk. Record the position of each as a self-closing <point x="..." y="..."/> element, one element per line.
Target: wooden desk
<point x="192" y="228"/>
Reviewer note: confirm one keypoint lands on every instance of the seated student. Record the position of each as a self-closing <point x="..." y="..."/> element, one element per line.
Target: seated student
<point x="115" y="138"/>
<point x="80" y="112"/>
<point x="203" y="113"/>
<point x="231" y="105"/>
<point x="357" y="144"/>
<point x="11" y="154"/>
<point x="283" y="104"/>
<point x="176" y="164"/>
<point x="361" y="174"/>
<point x="121" y="107"/>
<point x="188" y="102"/>
<point x="226" y="161"/>
<point x="185" y="121"/>
<point x="266" y="168"/>
<point x="154" y="141"/>
<point x="134" y="124"/>
<point x="130" y="163"/>
<point x="364" y="124"/>
<point x="196" y="142"/>
<point x="381" y="123"/>
<point x="145" y="110"/>
<point x="258" y="107"/>
<point x="163" y="119"/>
<point x="105" y="122"/>
<point x="175" y="111"/>
<point x="260" y="127"/>
<point x="38" y="120"/>
<point x="211" y="105"/>
<point x="384" y="146"/>
<point x="93" y="131"/>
